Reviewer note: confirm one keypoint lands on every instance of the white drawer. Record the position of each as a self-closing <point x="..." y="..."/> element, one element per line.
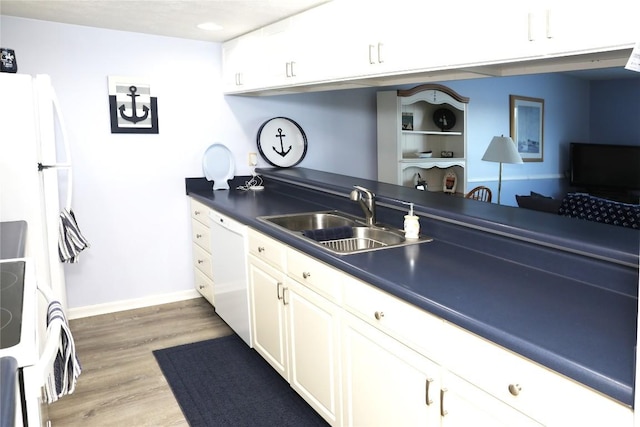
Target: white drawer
<point x="314" y="274"/>
<point x="527" y="386"/>
<point x="405" y="322"/>
<point x="267" y="249"/>
<point x="202" y="260"/>
<point x="200" y="212"/>
<point x="204" y="285"/>
<point x="201" y="235"/>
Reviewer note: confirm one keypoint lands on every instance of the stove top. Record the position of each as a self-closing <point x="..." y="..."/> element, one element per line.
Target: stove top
<point x="12" y="276"/>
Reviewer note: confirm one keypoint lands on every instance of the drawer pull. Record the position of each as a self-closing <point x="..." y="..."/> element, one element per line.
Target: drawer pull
<point x="201" y="286"/>
<point x="200" y="261"/>
<point x="278" y="287"/>
<point x="515" y="389"/>
<point x="260" y="249"/>
<point x="378" y="315"/>
<point x="196" y="212"/>
<point x="427" y="400"/>
<point x="198" y="236"/>
<point x="443" y="412"/>
<point x="306" y="275"/>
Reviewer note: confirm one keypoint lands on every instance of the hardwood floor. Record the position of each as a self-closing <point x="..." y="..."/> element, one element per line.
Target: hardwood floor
<point x="121" y="384"/>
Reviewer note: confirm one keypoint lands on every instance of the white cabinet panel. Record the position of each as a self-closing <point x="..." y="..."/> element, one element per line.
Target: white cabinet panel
<point x="314" y="349"/>
<point x="296" y="329"/>
<point x="201" y="238"/>
<point x="386" y="383"/>
<point x="268" y="314"/>
<point x="599" y="26"/>
<point x="464" y="405"/>
<point x="241" y="62"/>
<point x="526" y="386"/>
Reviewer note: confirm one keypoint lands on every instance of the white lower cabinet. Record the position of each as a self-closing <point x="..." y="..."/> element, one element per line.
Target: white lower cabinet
<point x="462" y="405"/>
<point x="384" y="382"/>
<point x="313" y="327"/>
<point x="362" y="357"/>
<point x="268" y="314"/>
<point x="201" y="237"/>
<point x="297" y="331"/>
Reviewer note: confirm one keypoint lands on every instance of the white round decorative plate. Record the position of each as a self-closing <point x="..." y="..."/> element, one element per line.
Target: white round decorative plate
<point x="218" y="166"/>
<point x="282" y="142"/>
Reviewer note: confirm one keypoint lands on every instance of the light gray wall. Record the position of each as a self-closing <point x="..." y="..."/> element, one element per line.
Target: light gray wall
<point x="129" y="193"/>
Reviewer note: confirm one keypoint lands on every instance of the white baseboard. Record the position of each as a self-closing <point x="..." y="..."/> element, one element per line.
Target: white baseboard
<point x="112" y="307"/>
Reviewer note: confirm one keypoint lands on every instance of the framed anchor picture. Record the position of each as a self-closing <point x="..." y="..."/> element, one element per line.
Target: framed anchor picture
<point x="282" y="142"/>
<point x="131" y="106"/>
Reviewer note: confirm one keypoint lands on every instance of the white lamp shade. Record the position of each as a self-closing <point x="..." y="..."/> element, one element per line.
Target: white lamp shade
<point x="502" y="149"/>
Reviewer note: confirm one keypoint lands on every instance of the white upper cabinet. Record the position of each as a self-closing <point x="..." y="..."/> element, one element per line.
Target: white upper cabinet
<point x="351" y="41"/>
<point x="383" y="37"/>
<point x="241" y="59"/>
<point x="599" y="26"/>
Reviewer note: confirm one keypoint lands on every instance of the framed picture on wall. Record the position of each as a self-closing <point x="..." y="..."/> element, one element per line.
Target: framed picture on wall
<point x="526" y="116"/>
<point x="132" y="107"/>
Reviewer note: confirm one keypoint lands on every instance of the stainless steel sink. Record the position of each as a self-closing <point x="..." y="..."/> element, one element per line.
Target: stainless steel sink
<point x="362" y="238"/>
<point x="312" y="220"/>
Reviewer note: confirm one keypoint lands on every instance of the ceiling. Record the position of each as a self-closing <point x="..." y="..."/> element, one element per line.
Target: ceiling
<point x="179" y="18"/>
<point x="173" y="18"/>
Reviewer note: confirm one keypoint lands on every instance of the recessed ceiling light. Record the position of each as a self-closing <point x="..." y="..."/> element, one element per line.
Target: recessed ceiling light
<point x="209" y="26"/>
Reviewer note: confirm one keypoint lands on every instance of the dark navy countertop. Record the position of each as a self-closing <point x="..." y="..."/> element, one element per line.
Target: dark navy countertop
<point x="559" y="291"/>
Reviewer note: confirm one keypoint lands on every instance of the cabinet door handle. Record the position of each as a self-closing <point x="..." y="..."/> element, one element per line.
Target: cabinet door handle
<point x="427" y="400"/>
<point x="371" y="61"/>
<point x="293" y="73"/>
<point x="515" y="389"/>
<point x="380" y="46"/>
<point x="378" y="315"/>
<point x="196" y="212"/>
<point x="306" y="275"/>
<point x="443" y="412"/>
<point x="260" y="249"/>
<point x="201" y="286"/>
<point x="200" y="261"/>
<point x="530" y="31"/>
<point x="287" y="69"/>
<point x="278" y="287"/>
<point x="284" y="296"/>
<point x="198" y="236"/>
<point x="549" y="23"/>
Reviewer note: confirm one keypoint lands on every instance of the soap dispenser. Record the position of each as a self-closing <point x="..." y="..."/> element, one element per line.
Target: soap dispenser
<point x="411" y="224"/>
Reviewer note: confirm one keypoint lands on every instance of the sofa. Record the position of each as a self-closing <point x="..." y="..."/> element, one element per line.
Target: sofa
<point x="584" y="206"/>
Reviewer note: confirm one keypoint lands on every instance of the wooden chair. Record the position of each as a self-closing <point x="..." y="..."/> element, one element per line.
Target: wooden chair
<point x="481" y="193"/>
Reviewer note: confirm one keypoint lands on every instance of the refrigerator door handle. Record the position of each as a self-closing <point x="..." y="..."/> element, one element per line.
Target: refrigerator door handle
<point x="67" y="149"/>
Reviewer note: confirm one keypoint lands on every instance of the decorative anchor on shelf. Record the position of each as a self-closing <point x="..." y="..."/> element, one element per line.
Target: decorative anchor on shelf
<point x="134" y="118"/>
<point x="282" y="151"/>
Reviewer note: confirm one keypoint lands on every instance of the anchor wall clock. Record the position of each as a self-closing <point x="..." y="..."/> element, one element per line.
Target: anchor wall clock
<point x="282" y="142"/>
<point x="132" y="108"/>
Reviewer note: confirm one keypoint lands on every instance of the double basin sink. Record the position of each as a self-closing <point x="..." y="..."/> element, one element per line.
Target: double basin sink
<point x="341" y="233"/>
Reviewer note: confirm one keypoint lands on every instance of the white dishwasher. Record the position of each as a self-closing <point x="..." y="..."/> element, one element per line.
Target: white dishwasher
<point x="229" y="268"/>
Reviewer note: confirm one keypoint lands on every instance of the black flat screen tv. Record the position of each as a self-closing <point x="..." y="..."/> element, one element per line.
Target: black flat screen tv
<point x="605" y="167"/>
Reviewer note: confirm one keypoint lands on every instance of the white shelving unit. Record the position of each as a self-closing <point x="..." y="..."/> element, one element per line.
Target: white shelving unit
<point x="399" y="144"/>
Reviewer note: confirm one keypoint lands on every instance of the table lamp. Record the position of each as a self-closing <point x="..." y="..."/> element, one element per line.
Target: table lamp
<point x="502" y="149"/>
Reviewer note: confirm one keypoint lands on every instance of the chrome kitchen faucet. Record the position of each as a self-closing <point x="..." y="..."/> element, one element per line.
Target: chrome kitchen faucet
<point x="367" y="201"/>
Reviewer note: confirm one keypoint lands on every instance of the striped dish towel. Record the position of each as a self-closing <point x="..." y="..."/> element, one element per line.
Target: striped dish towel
<point x="71" y="241"/>
<point x="66" y="367"/>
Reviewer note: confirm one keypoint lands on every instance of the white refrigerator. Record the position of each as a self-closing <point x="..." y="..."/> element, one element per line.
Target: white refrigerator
<point x="33" y="134"/>
<point x="35" y="187"/>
